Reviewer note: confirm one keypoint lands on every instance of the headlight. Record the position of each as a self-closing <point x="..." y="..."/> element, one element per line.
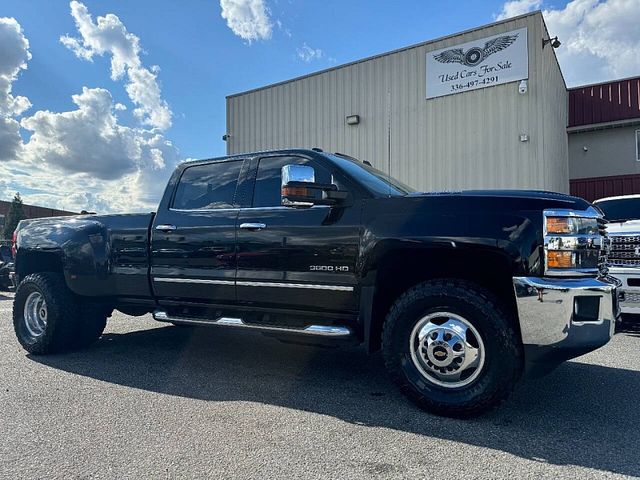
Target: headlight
<point x="573" y="242"/>
<point x="572" y="225"/>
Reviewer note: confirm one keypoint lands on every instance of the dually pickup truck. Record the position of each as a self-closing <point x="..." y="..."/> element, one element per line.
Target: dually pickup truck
<point x="464" y="292"/>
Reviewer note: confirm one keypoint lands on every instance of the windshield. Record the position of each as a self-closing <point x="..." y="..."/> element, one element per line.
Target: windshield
<point x="620" y="210"/>
<point x="376" y="181"/>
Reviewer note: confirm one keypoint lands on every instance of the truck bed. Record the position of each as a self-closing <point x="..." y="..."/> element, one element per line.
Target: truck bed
<point x="103" y="255"/>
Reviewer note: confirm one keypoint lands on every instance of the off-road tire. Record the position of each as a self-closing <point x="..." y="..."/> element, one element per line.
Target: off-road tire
<point x="62" y="314"/>
<point x="71" y="323"/>
<point x="503" y="350"/>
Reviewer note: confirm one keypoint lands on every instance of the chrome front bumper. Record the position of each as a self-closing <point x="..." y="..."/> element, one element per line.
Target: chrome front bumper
<point x="564" y="318"/>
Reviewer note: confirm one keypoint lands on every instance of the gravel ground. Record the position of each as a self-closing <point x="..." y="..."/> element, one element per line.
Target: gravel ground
<point x="155" y="401"/>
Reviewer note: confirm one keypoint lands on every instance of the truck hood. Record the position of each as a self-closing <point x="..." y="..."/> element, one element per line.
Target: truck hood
<point x="504" y="199"/>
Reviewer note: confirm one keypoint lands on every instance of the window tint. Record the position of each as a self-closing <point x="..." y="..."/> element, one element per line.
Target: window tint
<point x="269" y="181"/>
<point x="638" y="145"/>
<point x="377" y="181"/>
<point x="208" y="186"/>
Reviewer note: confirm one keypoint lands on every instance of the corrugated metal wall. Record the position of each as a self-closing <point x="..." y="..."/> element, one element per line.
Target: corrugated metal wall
<point x="607" y="102"/>
<point x="600" y="187"/>
<point x="468" y="140"/>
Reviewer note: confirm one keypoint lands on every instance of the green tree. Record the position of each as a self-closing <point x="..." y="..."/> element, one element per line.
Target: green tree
<point x="16" y="213"/>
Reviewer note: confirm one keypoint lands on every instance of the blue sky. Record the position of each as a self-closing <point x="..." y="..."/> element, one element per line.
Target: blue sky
<point x="202" y="57"/>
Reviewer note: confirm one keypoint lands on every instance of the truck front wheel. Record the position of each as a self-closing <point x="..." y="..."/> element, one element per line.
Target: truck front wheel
<point x="451" y="348"/>
<point x="48" y="318"/>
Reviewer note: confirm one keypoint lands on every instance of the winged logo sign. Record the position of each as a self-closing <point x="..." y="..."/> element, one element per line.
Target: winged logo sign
<point x="476" y="55"/>
<point x="483" y="63"/>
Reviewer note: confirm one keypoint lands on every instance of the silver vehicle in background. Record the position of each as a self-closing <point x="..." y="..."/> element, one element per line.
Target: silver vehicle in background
<point x="623" y="215"/>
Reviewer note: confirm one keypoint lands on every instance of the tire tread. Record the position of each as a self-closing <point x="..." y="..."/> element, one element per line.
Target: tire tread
<point x="467" y="292"/>
<point x="71" y="324"/>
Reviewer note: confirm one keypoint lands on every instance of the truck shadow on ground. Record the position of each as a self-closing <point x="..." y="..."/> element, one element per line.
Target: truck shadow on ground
<point x="581" y="414"/>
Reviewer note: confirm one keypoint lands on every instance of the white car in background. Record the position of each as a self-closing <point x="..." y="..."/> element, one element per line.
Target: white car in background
<point x="623" y="215"/>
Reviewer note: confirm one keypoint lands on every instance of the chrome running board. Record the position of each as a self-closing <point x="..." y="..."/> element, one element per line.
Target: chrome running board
<point x="317" y="330"/>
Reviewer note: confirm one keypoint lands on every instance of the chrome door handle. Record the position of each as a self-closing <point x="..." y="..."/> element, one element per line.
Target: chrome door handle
<point x="253" y="226"/>
<point x="166" y="228"/>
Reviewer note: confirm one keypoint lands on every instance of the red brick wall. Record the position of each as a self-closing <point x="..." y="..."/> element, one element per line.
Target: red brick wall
<point x="32" y="211"/>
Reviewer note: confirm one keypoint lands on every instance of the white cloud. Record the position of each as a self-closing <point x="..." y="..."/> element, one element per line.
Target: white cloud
<point x="10" y="140"/>
<point x="14" y="55"/>
<point x="108" y="35"/>
<point x="518" y="7"/>
<point x="248" y="19"/>
<point x="82" y="158"/>
<point x="87" y="151"/>
<point x="600" y="39"/>
<point x="308" y="54"/>
<point x="87" y="139"/>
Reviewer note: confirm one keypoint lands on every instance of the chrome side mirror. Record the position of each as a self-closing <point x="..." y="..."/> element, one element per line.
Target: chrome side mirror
<point x="298" y="173"/>
<point x="294" y="191"/>
<point x="299" y="188"/>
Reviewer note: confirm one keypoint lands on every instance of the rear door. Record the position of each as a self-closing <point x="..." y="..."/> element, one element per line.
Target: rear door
<point x="193" y="238"/>
<point x="303" y="258"/>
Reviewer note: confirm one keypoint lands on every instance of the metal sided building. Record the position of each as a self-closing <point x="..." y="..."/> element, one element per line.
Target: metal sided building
<point x="604" y="139"/>
<point x="485" y="108"/>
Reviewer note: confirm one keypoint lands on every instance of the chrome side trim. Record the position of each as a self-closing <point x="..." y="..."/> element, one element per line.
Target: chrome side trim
<point x="316" y="330"/>
<point x="340" y="288"/>
<point x="193" y="280"/>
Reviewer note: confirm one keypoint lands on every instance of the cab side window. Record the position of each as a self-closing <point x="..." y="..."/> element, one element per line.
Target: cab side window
<point x="208" y="186"/>
<point x="267" y="190"/>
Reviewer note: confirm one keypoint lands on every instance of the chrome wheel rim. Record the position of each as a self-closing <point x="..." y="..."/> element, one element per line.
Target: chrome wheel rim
<point x="447" y="349"/>
<point x="35" y="314"/>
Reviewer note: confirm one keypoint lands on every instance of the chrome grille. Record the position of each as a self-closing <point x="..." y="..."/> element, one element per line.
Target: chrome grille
<point x="631" y="297"/>
<point x="623" y="250"/>
<point x="606" y="245"/>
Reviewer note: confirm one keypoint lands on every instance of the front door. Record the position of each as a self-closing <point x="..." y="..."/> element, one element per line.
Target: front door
<point x="301" y="258"/>
<point x="193" y="239"/>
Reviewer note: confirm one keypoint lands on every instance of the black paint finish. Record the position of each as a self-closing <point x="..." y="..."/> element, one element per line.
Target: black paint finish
<point x="117" y="257"/>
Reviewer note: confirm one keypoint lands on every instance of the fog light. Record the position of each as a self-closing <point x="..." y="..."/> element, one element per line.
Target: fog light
<point x="560" y="259"/>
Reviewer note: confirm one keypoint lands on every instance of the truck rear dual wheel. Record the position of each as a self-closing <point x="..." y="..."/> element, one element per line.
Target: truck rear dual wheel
<point x="451" y="348"/>
<point x="49" y="318"/>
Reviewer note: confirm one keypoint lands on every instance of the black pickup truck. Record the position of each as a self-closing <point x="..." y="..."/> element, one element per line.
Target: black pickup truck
<point x="464" y="292"/>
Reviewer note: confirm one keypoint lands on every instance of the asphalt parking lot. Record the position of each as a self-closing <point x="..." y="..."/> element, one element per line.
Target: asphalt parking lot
<point x="156" y="401"/>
